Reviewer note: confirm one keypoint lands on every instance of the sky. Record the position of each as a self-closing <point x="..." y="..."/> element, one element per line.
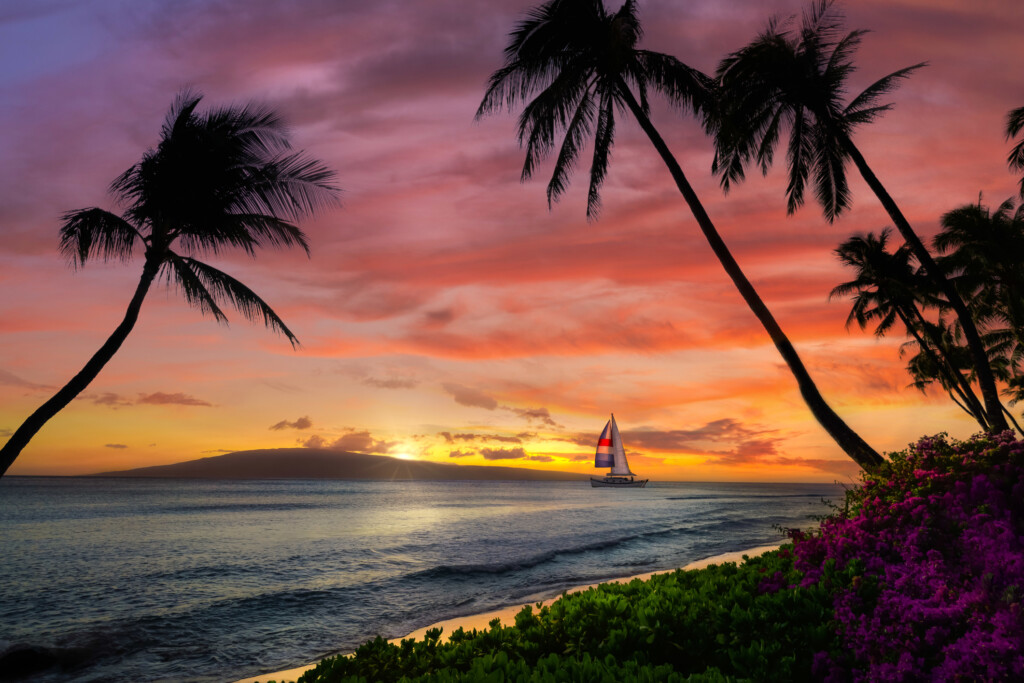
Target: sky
<point x="446" y="313"/>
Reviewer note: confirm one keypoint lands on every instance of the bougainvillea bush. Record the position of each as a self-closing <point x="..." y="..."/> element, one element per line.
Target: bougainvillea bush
<point x="926" y="566"/>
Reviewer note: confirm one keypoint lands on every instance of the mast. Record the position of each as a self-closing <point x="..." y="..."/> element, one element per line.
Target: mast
<point x="620" y="466"/>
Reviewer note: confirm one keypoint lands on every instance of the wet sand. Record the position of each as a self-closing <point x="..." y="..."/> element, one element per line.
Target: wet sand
<point x="507" y="614"/>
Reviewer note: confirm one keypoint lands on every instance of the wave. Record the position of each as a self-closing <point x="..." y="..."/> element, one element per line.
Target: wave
<point x="745" y="496"/>
<point x="461" y="570"/>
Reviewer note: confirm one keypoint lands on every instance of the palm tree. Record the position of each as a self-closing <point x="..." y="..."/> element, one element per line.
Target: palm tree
<point x="580" y="64"/>
<point x="798" y="79"/>
<point x="1014" y="125"/>
<point x="887" y="289"/>
<point x="217" y="180"/>
<point x="985" y="250"/>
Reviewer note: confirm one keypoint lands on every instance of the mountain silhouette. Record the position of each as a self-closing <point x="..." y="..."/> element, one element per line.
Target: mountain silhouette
<point x="306" y="463"/>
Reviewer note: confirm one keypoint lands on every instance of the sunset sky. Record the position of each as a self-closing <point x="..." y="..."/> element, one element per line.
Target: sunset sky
<point x="445" y="312"/>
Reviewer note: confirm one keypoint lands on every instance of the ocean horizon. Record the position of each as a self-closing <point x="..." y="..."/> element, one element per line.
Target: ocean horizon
<point x="208" y="580"/>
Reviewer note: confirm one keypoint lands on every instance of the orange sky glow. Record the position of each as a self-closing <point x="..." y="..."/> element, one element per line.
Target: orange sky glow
<point x="446" y="313"/>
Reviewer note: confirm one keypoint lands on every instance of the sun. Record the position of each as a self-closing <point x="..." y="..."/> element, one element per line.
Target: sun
<point x="404" y="456"/>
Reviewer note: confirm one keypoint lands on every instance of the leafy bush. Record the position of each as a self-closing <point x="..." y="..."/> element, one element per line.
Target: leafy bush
<point x="725" y="622"/>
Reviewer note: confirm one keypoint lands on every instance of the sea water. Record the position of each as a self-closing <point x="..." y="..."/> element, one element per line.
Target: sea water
<point x="155" y="579"/>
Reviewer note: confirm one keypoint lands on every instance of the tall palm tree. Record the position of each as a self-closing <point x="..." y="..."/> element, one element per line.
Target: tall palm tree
<point x="1014" y="125"/>
<point x="887" y="289"/>
<point x="580" y="65"/>
<point x="222" y="179"/>
<point x="797" y="79"/>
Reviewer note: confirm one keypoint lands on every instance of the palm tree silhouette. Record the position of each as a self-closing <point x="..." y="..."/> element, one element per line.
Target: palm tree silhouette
<point x="887" y="289"/>
<point x="218" y="180"/>
<point x="798" y="79"/>
<point x="984" y="249"/>
<point x="580" y="64"/>
<point x="1014" y="125"/>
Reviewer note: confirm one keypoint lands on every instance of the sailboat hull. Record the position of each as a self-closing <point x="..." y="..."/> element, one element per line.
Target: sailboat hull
<point x="618" y="483"/>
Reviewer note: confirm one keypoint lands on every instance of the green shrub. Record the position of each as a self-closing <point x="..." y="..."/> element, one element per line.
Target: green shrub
<point x="727" y="622"/>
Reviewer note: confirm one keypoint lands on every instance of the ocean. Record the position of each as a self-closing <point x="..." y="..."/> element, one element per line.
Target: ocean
<point x="196" y="580"/>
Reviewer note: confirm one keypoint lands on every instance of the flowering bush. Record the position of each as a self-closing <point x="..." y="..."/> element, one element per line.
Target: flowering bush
<point x="926" y="565"/>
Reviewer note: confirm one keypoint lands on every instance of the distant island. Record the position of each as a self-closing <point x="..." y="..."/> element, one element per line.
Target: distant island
<point x="305" y="463"/>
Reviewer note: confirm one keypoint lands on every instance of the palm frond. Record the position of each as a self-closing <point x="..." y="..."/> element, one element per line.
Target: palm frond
<point x="800" y="156"/>
<point x="204" y="286"/>
<point x="831" y="188"/>
<point x="603" y="138"/>
<point x="549" y="112"/>
<point x="684" y="86"/>
<point x="291" y="187"/>
<point x="176" y="268"/>
<point x="576" y="134"/>
<point x="1014" y="125"/>
<point x="863" y="107"/>
<point x="96" y="233"/>
<point x="240" y="231"/>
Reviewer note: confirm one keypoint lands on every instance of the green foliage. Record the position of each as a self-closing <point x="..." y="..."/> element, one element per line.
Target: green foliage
<point x="727" y="622"/>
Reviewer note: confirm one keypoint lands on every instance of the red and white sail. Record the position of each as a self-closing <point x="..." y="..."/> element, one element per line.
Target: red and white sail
<point x="610" y="452"/>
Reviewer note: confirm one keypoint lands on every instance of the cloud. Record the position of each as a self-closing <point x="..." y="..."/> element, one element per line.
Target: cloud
<point x="725" y="441"/>
<point x="6" y="432"/>
<point x="467" y="396"/>
<point x="116" y="445"/>
<point x="301" y="423"/>
<point x="161" y="399"/>
<point x="540" y="458"/>
<point x="531" y="414"/>
<point x="363" y="442"/>
<point x="471" y="436"/>
<point x="502" y="453"/>
<point x="12" y="380"/>
<point x="315" y="441"/>
<point x="475" y="398"/>
<point x="395" y="383"/>
<point x="109" y="398"/>
<point x="460" y="454"/>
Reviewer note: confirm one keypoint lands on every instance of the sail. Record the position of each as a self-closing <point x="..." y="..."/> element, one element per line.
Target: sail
<point x="620" y="466"/>
<point x="605" y="456"/>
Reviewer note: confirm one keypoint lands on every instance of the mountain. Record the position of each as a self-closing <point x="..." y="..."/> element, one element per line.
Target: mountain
<point x="306" y="463"/>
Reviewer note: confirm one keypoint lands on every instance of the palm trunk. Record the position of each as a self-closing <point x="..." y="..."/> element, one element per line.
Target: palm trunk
<point x="851" y="443"/>
<point x="986" y="380"/>
<point x="944" y="365"/>
<point x="958" y="376"/>
<point x="23" y="434"/>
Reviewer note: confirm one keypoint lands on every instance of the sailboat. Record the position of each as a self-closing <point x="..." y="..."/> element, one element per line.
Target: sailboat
<point x="610" y="454"/>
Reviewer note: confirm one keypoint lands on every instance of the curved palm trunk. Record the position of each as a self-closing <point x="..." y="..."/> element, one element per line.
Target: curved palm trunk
<point x="986" y="380"/>
<point x="851" y="443"/>
<point x="23" y="434"/>
<point x="954" y="379"/>
<point x="966" y="391"/>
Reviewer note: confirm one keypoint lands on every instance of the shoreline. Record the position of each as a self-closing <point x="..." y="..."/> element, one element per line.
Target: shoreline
<point x="507" y="614"/>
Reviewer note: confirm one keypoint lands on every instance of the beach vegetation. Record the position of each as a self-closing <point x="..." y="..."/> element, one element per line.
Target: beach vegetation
<point x="224" y="179"/>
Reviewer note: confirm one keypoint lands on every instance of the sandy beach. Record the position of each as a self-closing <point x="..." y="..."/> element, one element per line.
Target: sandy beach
<point x="507" y="615"/>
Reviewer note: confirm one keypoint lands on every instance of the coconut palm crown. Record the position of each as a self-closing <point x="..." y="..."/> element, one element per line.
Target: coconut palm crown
<point x="579" y="63"/>
<point x="218" y="180"/>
